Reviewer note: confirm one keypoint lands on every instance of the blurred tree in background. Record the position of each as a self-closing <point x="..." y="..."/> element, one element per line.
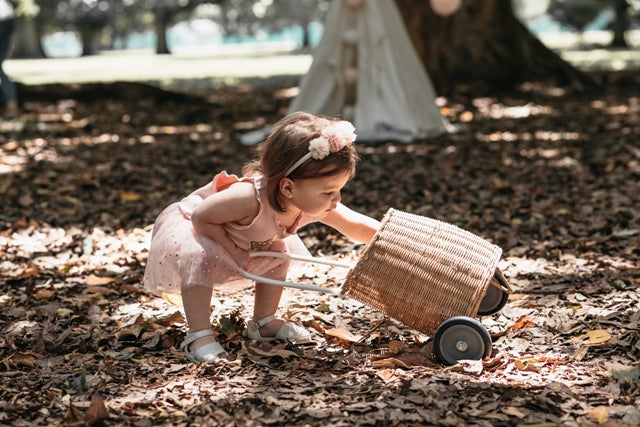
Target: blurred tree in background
<point x="29" y="29"/>
<point x="483" y="40"/>
<point x="165" y="13"/>
<point x="89" y="18"/>
<point x="241" y="18"/>
<point x="579" y="14"/>
<point x="282" y="13"/>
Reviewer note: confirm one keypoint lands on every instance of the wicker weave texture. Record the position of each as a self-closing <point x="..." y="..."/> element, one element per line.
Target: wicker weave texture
<point x="421" y="271"/>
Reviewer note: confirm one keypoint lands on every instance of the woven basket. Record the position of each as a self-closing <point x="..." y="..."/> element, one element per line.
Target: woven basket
<point x="421" y="271"/>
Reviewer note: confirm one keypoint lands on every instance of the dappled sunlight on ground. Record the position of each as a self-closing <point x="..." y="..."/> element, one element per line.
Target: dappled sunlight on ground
<point x="604" y="59"/>
<point x="70" y="252"/>
<point x="552" y="179"/>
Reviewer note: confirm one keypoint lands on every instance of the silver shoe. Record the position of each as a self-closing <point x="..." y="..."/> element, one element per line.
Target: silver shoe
<point x="210" y="353"/>
<point x="289" y="332"/>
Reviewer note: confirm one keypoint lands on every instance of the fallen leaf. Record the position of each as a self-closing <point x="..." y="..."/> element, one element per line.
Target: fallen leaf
<point x="73" y="415"/>
<point x="386" y="374"/>
<point x="627" y="373"/>
<point x="101" y="290"/>
<point x="27" y="359"/>
<point x="522" y="323"/>
<point x="96" y="411"/>
<point x="389" y="362"/>
<point x="272" y="400"/>
<point x="599" y="414"/>
<point x="44" y="294"/>
<point x="175" y="299"/>
<point x="493" y="362"/>
<point x="597" y="336"/>
<point x="527" y="364"/>
<point x="130" y="196"/>
<point x="92" y="280"/>
<point x="625" y="233"/>
<point x="230" y="325"/>
<point x="62" y="312"/>
<point x="396" y="346"/>
<point x="538" y="425"/>
<point x="473" y="367"/>
<point x="619" y="284"/>
<point x="275" y="351"/>
<point x="323" y="308"/>
<point x="313" y="324"/>
<point x="29" y="272"/>
<point x="343" y="333"/>
<point x="511" y="410"/>
<point x="451" y="419"/>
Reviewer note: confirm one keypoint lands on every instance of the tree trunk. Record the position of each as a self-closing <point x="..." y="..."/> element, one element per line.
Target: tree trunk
<point x="306" y="39"/>
<point x="26" y="40"/>
<point x="620" y="24"/>
<point x="162" y="17"/>
<point x="483" y="42"/>
<point x="88" y="36"/>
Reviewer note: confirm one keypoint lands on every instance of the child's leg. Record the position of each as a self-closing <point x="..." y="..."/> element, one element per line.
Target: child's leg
<point x="197" y="304"/>
<point x="7" y="86"/>
<point x="267" y="299"/>
<point x="266" y="303"/>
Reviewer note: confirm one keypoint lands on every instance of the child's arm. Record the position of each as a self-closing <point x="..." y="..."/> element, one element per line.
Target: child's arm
<point x="352" y="224"/>
<point x="238" y="204"/>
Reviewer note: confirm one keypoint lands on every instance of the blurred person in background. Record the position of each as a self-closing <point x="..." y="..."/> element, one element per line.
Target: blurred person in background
<point x="7" y="25"/>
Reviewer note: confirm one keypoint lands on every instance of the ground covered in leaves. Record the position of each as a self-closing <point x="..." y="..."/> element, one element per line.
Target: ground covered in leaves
<point x="551" y="176"/>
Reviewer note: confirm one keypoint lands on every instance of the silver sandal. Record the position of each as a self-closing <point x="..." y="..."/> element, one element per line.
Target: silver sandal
<point x="289" y="332"/>
<point x="210" y="353"/>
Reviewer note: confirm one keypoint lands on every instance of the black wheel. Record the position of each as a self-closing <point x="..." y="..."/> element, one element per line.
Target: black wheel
<point x="461" y="338"/>
<point x="492" y="301"/>
<point x="495" y="298"/>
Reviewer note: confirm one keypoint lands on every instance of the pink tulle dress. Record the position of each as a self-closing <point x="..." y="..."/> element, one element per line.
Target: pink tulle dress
<point x="181" y="257"/>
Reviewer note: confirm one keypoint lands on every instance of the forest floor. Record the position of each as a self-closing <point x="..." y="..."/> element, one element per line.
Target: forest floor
<point x="550" y="175"/>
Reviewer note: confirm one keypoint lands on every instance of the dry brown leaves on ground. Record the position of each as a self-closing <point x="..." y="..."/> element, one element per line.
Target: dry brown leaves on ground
<point x="554" y="180"/>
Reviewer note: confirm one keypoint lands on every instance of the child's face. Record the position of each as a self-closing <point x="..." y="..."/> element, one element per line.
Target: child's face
<point x="317" y="196"/>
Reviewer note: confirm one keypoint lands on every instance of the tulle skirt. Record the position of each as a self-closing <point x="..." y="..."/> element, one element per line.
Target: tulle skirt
<point x="180" y="257"/>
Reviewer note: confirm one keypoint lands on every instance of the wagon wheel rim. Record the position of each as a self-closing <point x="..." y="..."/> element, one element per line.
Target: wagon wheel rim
<point x="493" y="301"/>
<point x="461" y="338"/>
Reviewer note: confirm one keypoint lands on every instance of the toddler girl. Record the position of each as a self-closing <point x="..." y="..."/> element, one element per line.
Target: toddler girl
<point x="205" y="239"/>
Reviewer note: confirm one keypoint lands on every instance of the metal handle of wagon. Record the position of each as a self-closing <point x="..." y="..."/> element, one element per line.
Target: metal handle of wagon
<point x="295" y="285"/>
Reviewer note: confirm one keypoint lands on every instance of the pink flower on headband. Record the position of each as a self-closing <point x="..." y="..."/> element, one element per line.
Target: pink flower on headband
<point x="319" y="148"/>
<point x="339" y="135"/>
<point x="333" y="138"/>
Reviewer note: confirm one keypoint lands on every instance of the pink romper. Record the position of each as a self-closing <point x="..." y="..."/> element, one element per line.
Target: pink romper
<point x="181" y="257"/>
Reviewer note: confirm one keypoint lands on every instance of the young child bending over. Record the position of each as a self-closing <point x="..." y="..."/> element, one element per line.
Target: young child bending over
<point x="206" y="238"/>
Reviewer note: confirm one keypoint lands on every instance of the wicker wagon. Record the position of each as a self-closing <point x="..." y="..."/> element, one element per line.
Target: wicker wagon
<point x="429" y="275"/>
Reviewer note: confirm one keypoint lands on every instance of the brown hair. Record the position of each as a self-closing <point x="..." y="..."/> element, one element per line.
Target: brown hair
<point x="286" y="144"/>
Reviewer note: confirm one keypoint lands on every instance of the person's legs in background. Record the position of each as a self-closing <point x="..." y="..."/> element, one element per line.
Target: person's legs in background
<point x="8" y="87"/>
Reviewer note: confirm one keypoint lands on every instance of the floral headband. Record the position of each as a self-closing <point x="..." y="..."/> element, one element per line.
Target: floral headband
<point x="333" y="138"/>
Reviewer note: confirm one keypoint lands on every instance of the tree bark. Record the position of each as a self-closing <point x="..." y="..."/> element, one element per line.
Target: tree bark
<point x="162" y="19"/>
<point x="27" y="40"/>
<point x="306" y="39"/>
<point x="483" y="42"/>
<point x="88" y="36"/>
<point x="620" y="24"/>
